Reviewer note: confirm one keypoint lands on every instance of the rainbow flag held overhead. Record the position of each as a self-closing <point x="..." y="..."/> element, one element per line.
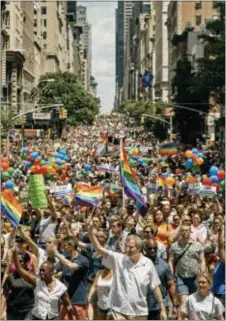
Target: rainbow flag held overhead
<point x="102" y="148"/>
<point x="129" y="180"/>
<point x="10" y="207"/>
<point x="169" y="149"/>
<point x="67" y="199"/>
<point x="87" y="195"/>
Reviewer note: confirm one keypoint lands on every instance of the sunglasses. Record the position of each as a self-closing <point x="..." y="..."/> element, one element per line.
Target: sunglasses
<point x="150" y="248"/>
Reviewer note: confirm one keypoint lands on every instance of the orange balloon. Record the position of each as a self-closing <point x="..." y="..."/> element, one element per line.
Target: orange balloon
<point x="188" y="153"/>
<point x="199" y="161"/>
<point x="178" y="171"/>
<point x="170" y="181"/>
<point x="5" y="166"/>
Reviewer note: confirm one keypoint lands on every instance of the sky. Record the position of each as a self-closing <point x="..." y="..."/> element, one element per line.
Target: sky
<point x="101" y="15"/>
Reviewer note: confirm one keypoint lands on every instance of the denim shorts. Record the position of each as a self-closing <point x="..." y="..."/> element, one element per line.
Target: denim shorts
<point x="186" y="286"/>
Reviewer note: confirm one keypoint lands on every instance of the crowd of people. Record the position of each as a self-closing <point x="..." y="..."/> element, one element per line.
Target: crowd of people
<point x="113" y="261"/>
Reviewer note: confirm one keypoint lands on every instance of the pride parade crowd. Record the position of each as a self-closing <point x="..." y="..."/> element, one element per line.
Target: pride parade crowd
<point x="106" y="223"/>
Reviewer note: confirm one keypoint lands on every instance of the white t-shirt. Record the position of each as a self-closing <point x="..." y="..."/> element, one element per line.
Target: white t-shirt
<point x="131" y="283"/>
<point x="103" y="290"/>
<point x="47" y="229"/>
<point x="197" y="307"/>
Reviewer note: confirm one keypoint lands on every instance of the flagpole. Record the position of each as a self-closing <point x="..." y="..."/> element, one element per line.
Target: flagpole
<point x="123" y="190"/>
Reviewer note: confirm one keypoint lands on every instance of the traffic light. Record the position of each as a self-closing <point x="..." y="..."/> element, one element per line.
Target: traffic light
<point x="63" y="113"/>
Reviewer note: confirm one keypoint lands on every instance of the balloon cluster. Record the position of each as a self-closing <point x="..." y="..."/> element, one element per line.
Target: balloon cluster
<point x="194" y="157"/>
<point x="7" y="173"/>
<point x="216" y="178"/>
<point x="48" y="166"/>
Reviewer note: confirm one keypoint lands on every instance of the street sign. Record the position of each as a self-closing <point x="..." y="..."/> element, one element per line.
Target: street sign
<point x="42" y="116"/>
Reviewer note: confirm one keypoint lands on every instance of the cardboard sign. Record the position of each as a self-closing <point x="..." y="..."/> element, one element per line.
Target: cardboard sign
<point x="62" y="190"/>
<point x="208" y="191"/>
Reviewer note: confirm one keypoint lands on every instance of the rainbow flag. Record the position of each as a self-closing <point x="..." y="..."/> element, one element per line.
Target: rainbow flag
<point x="67" y="199"/>
<point x="102" y="148"/>
<point x="87" y="195"/>
<point x="129" y="180"/>
<point x="11" y="207"/>
<point x="169" y="149"/>
<point x="160" y="182"/>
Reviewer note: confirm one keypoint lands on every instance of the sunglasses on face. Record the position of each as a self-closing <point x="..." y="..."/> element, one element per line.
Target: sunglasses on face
<point x="152" y="248"/>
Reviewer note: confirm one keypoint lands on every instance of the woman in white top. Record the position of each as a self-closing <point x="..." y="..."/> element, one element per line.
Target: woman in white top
<point x="102" y="284"/>
<point x="198" y="231"/>
<point x="48" y="291"/>
<point x="202" y="305"/>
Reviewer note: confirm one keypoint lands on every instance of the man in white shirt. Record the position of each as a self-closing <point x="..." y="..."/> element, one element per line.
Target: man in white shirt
<point x="133" y="275"/>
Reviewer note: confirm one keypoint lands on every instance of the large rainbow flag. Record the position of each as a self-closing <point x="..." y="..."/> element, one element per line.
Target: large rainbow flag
<point x="169" y="149"/>
<point x="87" y="195"/>
<point x="102" y="148"/>
<point x="11" y="207"/>
<point x="129" y="180"/>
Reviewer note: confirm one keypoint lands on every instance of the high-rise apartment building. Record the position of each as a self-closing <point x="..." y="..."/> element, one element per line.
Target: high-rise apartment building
<point x="123" y="14"/>
<point x="161" y="50"/>
<point x="85" y="46"/>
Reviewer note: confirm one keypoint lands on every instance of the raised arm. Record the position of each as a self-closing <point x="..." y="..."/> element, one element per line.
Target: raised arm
<point x="53" y="212"/>
<point x="32" y="244"/>
<point x="27" y="276"/>
<point x="99" y="249"/>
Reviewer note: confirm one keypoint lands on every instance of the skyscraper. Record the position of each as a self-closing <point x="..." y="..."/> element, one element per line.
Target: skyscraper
<point x="123" y="14"/>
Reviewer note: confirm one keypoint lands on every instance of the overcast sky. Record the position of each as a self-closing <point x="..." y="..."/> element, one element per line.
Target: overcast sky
<point x="101" y="15"/>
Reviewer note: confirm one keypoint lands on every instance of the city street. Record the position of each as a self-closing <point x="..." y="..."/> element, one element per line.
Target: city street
<point x="112" y="160"/>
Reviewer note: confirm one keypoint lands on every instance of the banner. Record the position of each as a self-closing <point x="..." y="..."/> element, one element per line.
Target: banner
<point x="208" y="191"/>
<point x="194" y="188"/>
<point x="62" y="190"/>
<point x="44" y="116"/>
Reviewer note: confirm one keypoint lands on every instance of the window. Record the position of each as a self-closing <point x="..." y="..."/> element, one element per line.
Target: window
<point x="43" y="10"/>
<point x="44" y="23"/>
<point x="35" y="11"/>
<point x="7" y="19"/>
<point x="35" y="22"/>
<point x="198" y="5"/>
<point x="44" y="35"/>
<point x="214" y="4"/>
<point x="198" y="20"/>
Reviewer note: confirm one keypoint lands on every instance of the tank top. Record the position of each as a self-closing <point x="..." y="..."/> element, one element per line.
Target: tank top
<point x="103" y="290"/>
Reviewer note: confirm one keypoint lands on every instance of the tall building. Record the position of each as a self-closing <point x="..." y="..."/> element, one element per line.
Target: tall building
<point x="191" y="17"/>
<point x="161" y="50"/>
<point x="123" y="14"/>
<point x="85" y="46"/>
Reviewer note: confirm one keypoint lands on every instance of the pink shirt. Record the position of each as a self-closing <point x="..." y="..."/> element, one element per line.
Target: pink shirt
<point x="198" y="233"/>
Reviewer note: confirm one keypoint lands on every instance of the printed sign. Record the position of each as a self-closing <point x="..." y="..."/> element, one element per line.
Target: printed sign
<point x="62" y="190"/>
<point x="42" y="116"/>
<point x="208" y="191"/>
<point x="194" y="188"/>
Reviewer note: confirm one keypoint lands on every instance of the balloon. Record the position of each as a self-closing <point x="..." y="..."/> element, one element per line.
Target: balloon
<point x="200" y="155"/>
<point x="216" y="185"/>
<point x="58" y="161"/>
<point x="195" y="151"/>
<point x="140" y="161"/>
<point x="9" y="185"/>
<point x="213" y="170"/>
<point x="43" y="162"/>
<point x="66" y="158"/>
<point x="189" y="163"/>
<point x="134" y="151"/>
<point x="188" y="153"/>
<point x="222" y="185"/>
<point x="10" y="170"/>
<point x="221" y="174"/>
<point x="134" y="157"/>
<point x="87" y="167"/>
<point x="4" y="160"/>
<point x="199" y="161"/>
<point x="170" y="181"/>
<point x="37" y="160"/>
<point x="24" y="156"/>
<point x="34" y="155"/>
<point x="61" y="155"/>
<point x="194" y="157"/>
<point x="24" y="150"/>
<point x="28" y="164"/>
<point x="5" y="166"/>
<point x="5" y="175"/>
<point x="207" y="181"/>
<point x="214" y="179"/>
<point x="191" y="180"/>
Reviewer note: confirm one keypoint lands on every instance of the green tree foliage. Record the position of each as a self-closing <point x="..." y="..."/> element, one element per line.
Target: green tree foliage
<point x="66" y="89"/>
<point x="211" y="69"/>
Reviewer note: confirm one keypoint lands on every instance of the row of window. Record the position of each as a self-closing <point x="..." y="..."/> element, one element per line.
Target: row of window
<point x="43" y="22"/>
<point x="198" y="20"/>
<point x="198" y="4"/>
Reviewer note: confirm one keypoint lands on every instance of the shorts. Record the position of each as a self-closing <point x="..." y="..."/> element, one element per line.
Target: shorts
<point x="113" y="315"/>
<point x="186" y="286"/>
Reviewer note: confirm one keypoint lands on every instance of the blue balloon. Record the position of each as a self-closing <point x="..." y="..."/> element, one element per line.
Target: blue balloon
<point x="213" y="170"/>
<point x="59" y="161"/>
<point x="34" y="155"/>
<point x="195" y="151"/>
<point x="200" y="155"/>
<point x="140" y="161"/>
<point x="66" y="158"/>
<point x="134" y="157"/>
<point x="24" y="149"/>
<point x="63" y="151"/>
<point x="9" y="185"/>
<point x="28" y="164"/>
<point x="61" y="155"/>
<point x="189" y="163"/>
<point x="87" y="167"/>
<point x="214" y="179"/>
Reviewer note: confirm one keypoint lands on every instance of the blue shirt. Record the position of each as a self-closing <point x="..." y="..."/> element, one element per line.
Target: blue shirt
<point x="111" y="243"/>
<point x="95" y="262"/>
<point x="219" y="279"/>
<point x="165" y="275"/>
<point x="77" y="281"/>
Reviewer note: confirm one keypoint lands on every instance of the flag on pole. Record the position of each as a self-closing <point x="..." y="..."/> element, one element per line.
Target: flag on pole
<point x="169" y="149"/>
<point x="129" y="180"/>
<point x="87" y="195"/>
<point x="102" y="148"/>
<point x="11" y="207"/>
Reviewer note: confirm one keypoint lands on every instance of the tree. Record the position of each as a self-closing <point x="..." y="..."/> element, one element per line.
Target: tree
<point x="66" y="90"/>
<point x="211" y="69"/>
